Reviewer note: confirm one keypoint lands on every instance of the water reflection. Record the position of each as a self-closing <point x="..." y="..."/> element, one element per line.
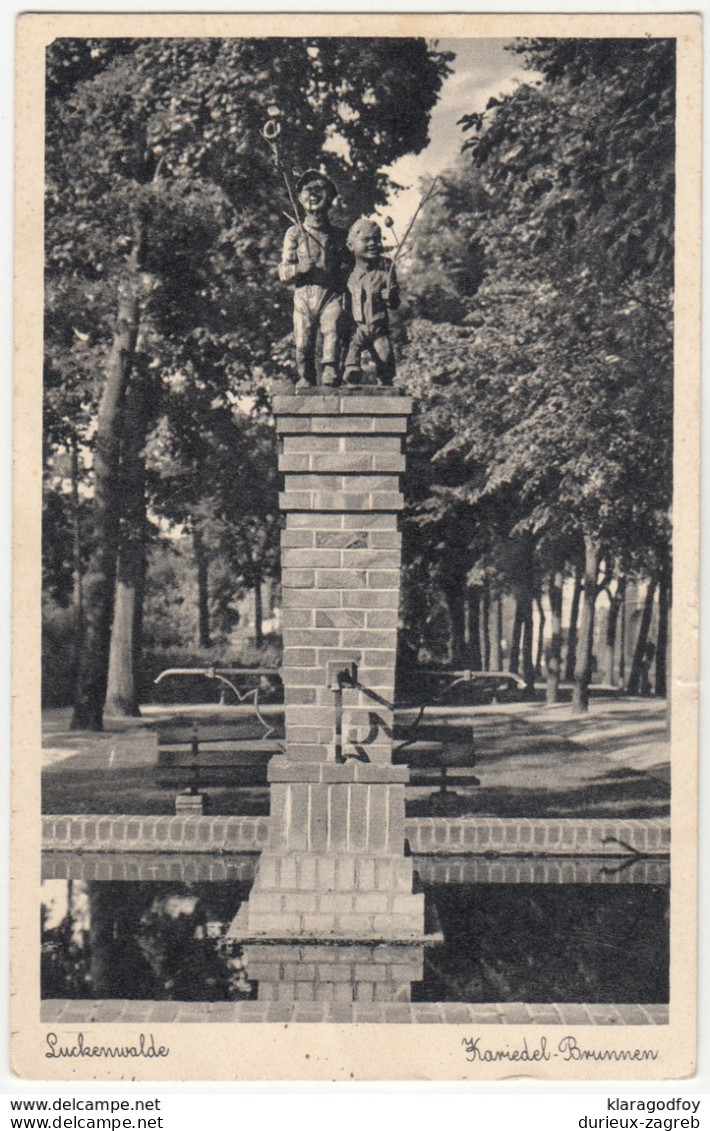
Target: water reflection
<point x="550" y="943"/>
<point x="153" y="941"/>
<point x="521" y="942"/>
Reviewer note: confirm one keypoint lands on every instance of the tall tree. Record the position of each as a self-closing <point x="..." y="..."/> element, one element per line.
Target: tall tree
<point x="125" y="646"/>
<point x="161" y="216"/>
<point x="554" y="386"/>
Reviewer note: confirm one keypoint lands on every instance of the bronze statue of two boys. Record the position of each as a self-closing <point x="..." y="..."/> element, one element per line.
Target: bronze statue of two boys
<point x="344" y="288"/>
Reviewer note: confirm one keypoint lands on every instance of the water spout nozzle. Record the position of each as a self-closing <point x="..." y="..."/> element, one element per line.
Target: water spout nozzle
<point x="340" y="675"/>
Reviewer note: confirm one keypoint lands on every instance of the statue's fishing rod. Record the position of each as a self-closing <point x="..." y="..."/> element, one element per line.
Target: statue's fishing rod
<point x="270" y="133"/>
<point x="403" y="240"/>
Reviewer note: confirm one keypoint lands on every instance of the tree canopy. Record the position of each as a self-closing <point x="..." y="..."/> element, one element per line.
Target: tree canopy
<point x="551" y="359"/>
<point x="164" y="216"/>
<point x="537" y="334"/>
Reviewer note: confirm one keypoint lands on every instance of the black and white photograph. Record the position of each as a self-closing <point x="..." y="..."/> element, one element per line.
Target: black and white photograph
<point x="356" y="527"/>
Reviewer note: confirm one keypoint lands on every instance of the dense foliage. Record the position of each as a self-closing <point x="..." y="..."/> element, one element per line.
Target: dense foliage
<point x="536" y="338"/>
<point x="164" y="311"/>
<point x="545" y="379"/>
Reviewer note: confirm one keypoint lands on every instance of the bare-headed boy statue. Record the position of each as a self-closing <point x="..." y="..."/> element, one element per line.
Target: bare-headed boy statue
<point x="373" y="293"/>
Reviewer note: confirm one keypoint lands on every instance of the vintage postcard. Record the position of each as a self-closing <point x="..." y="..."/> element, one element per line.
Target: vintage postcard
<point x="356" y="547"/>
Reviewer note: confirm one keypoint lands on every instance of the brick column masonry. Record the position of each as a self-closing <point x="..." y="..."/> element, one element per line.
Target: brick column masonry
<point x="340" y="556"/>
<point x="322" y="972"/>
<point x="334" y="864"/>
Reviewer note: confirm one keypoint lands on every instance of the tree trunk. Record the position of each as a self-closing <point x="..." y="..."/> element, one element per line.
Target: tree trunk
<point x="204" y="639"/>
<point x="516" y="635"/>
<point x="571" y="657"/>
<point x="615" y="606"/>
<point x="540" y="636"/>
<point x="583" y="669"/>
<point x="496" y="635"/>
<point x="528" y="672"/>
<point x="638" y="664"/>
<point x="473" y="627"/>
<point x="664" y="589"/>
<point x="486" y="625"/>
<point x="269" y="602"/>
<point x="554" y="659"/>
<point x="258" y="609"/>
<point x="100" y="578"/>
<point x="622" y="642"/>
<point x="454" y="590"/>
<point x="523" y="624"/>
<point x="122" y="694"/>
<point x="76" y="543"/>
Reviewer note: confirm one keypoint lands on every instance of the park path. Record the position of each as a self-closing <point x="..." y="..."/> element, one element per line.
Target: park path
<point x="531" y="760"/>
<point x="537" y="761"/>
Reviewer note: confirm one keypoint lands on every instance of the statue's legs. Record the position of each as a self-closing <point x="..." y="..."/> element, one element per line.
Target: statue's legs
<point x="315" y="308"/>
<point x="380" y="347"/>
<point x="305" y="327"/>
<point x="331" y="326"/>
<point x="383" y="357"/>
<point x="352" y="372"/>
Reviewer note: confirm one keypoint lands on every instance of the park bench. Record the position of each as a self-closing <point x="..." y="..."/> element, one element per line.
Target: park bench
<point x="438" y="755"/>
<point x="206" y="753"/>
<point x="195" y="751"/>
<point x="235" y="752"/>
<point x="443" y="754"/>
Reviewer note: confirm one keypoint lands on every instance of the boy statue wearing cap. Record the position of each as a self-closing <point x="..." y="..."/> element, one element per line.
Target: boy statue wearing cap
<point x="373" y="292"/>
<point x="316" y="259"/>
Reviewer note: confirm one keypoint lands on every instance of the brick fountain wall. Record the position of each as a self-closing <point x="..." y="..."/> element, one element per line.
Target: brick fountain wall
<point x="334" y="865"/>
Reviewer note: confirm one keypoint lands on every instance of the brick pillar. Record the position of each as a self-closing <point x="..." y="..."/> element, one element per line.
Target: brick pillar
<point x="340" y="556"/>
<point x="334" y="865"/>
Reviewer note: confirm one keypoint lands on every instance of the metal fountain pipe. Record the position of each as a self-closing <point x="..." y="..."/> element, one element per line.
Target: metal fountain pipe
<point x="215" y="673"/>
<point x="220" y="675"/>
<point x="338" y="678"/>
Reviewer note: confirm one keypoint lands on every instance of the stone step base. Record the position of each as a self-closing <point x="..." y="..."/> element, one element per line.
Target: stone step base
<point x="311" y="915"/>
<point x="308" y="904"/>
<point x="326" y="896"/>
<point x="350" y="872"/>
<point x="268" y="918"/>
<point x="334" y="973"/>
<point x="325" y="928"/>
